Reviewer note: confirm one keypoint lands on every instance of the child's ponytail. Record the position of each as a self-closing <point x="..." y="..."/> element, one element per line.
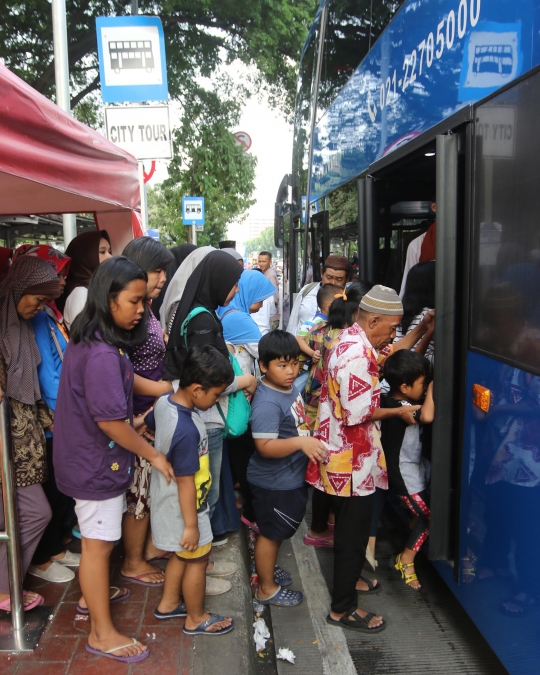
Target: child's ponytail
<point x="345" y="306"/>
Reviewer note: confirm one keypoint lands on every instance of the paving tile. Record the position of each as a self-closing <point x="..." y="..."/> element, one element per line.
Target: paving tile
<point x="9" y="662"/>
<point x="127" y="615"/>
<point x="43" y="668"/>
<point x="51" y="649"/>
<point x="91" y="664"/>
<point x="168" y="652"/>
<point x="64" y="624"/>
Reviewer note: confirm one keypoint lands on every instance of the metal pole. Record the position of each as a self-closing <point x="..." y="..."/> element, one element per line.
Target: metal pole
<point x="11" y="534"/>
<point x="134" y="6"/>
<point x="63" y="100"/>
<point x="317" y="79"/>
<point x="193" y="234"/>
<point x="142" y="190"/>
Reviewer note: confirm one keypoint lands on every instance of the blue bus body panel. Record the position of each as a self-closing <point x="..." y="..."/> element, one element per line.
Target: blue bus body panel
<point x="435" y="57"/>
<point x="500" y="511"/>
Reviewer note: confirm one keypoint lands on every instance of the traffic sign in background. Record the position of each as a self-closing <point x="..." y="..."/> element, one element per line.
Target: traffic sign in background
<point x="132" y="64"/>
<point x="142" y="130"/>
<point x="193" y="212"/>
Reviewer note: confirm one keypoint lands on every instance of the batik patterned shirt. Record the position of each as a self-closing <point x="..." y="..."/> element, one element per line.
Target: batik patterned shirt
<point x="350" y="393"/>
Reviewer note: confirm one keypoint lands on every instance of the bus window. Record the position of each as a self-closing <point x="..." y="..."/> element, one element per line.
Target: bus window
<point x="505" y="312"/>
<point x="343" y="206"/>
<point x="352" y="28"/>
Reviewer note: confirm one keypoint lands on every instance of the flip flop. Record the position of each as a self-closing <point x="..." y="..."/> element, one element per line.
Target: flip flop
<point x="372" y="588"/>
<point x="319" y="542"/>
<point x="177" y="613"/>
<point x="117" y="596"/>
<point x="282" y="577"/>
<point x="6" y="604"/>
<point x="282" y="598"/>
<point x="250" y="524"/>
<point x="201" y="628"/>
<point x="123" y="659"/>
<point x="360" y="625"/>
<point x="139" y="579"/>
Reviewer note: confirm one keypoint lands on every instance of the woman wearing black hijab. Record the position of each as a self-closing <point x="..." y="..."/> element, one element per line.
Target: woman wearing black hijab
<point x="213" y="283"/>
<point x="180" y="253"/>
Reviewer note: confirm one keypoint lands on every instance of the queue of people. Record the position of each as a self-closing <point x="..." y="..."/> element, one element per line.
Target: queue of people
<point x="144" y="393"/>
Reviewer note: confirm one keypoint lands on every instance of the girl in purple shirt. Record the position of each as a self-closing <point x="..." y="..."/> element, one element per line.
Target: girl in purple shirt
<point x="96" y="440"/>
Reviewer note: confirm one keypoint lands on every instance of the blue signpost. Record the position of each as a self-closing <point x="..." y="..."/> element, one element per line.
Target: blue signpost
<point x="193" y="214"/>
<point x="132" y="64"/>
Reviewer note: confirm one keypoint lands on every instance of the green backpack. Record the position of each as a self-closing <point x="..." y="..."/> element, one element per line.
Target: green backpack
<point x="236" y="422"/>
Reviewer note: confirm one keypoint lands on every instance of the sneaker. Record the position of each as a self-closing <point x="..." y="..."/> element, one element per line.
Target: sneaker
<point x="70" y="559"/>
<point x="222" y="569"/>
<point x="55" y="573"/>
<point x="220" y="540"/>
<point x="217" y="586"/>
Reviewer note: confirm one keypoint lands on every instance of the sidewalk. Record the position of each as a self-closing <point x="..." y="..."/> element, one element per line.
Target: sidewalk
<point x="62" y="651"/>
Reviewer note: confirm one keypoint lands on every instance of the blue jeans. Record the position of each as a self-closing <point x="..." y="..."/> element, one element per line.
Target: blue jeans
<point x="215" y="452"/>
<point x="301" y="381"/>
<point x="225" y="518"/>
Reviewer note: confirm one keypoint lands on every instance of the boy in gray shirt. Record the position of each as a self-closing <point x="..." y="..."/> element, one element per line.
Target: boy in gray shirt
<point x="180" y="514"/>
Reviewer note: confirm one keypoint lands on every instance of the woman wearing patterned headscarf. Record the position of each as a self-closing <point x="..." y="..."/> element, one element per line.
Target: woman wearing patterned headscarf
<point x="51" y="558"/>
<point x="30" y="283"/>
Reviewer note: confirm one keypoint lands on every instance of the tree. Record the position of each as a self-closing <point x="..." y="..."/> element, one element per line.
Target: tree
<point x="207" y="162"/>
<point x="199" y="36"/>
<point x="264" y="242"/>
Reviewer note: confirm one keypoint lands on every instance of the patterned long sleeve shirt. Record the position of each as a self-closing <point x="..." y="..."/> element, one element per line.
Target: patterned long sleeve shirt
<point x="350" y="394"/>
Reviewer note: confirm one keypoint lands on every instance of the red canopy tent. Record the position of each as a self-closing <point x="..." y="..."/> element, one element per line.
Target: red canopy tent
<point x="51" y="163"/>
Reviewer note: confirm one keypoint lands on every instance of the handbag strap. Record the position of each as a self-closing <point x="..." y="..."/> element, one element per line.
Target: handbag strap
<point x="56" y="343"/>
<point x="192" y="314"/>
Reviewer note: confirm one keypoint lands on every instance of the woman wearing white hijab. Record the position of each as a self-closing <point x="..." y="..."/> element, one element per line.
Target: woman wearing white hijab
<point x="178" y="285"/>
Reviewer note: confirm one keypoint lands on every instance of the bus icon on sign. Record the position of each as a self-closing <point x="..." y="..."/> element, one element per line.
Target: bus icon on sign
<point x="498" y="59"/>
<point x="132" y="54"/>
<point x="193" y="209"/>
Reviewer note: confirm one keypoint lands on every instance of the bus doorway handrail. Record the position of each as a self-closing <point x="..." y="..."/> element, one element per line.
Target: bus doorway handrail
<point x="25" y="632"/>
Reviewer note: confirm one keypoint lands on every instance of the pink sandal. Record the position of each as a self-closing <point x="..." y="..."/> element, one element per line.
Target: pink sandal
<point x="319" y="542"/>
<point x="6" y="604"/>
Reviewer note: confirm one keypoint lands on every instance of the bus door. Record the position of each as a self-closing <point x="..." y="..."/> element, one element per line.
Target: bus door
<point x="397" y="198"/>
<point x="320" y="242"/>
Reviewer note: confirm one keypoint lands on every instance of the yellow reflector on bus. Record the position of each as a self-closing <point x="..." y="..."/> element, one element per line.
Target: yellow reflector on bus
<point x="481" y="397"/>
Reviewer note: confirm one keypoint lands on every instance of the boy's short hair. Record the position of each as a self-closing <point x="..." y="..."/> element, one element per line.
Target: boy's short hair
<point x="278" y="344"/>
<point x="326" y="293"/>
<point x="405" y="367"/>
<point x="206" y="366"/>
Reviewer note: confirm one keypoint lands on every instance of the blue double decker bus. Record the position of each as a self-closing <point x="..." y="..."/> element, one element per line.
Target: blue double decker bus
<point x="400" y="104"/>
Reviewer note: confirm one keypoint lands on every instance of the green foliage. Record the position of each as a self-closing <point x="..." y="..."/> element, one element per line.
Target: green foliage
<point x="264" y="242"/>
<point x="268" y="34"/>
<point x="207" y="162"/>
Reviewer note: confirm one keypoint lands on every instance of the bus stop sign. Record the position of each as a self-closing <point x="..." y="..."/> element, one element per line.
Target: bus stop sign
<point x="193" y="212"/>
<point x="132" y="65"/>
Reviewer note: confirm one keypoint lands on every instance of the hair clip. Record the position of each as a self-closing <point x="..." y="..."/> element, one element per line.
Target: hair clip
<point x="341" y="295"/>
